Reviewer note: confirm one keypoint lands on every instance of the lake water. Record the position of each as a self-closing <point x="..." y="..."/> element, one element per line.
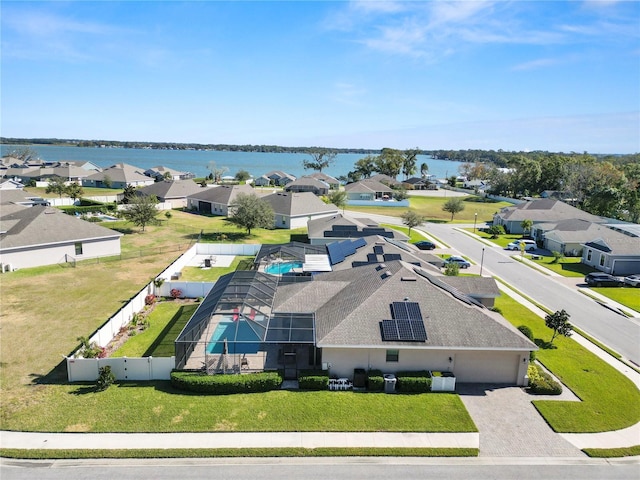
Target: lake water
<point x="195" y="161"/>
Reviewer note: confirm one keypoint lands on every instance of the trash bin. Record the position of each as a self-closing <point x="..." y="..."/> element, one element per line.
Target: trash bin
<point x="359" y="378"/>
<point x="389" y="383"/>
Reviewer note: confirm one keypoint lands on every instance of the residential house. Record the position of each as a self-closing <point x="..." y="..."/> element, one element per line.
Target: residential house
<point x="294" y="210"/>
<point x="385" y="179"/>
<point x="119" y="176"/>
<point x="390" y="316"/>
<point x="613" y="251"/>
<point x="164" y="173"/>
<point x="334" y="183"/>
<point x="546" y="210"/>
<point x="419" y="183"/>
<point x="174" y="192"/>
<point x="275" y="177"/>
<point x="337" y="227"/>
<point x="565" y="236"/>
<point x="216" y="200"/>
<point x="368" y="190"/>
<point x="308" y="184"/>
<point x="11" y="184"/>
<point x="32" y="236"/>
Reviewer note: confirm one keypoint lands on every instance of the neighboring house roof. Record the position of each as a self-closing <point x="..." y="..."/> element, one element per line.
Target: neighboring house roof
<point x="160" y="171"/>
<point x="310" y="182"/>
<point x="416" y="181"/>
<point x="574" y="230"/>
<point x="39" y="225"/>
<point x="13" y="196"/>
<point x="297" y="204"/>
<point x="171" y="189"/>
<point x="545" y="210"/>
<point x="350" y="304"/>
<point x="11" y="185"/>
<point x="121" y="173"/>
<point x="474" y="286"/>
<point x="275" y="174"/>
<point x="65" y="171"/>
<point x="342" y="227"/>
<point x="611" y="241"/>
<point x="221" y="194"/>
<point x="382" y="178"/>
<point x="325" y="178"/>
<point x="367" y="186"/>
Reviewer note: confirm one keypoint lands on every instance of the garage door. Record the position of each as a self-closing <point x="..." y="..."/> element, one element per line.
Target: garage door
<point x="626" y="267"/>
<point x="204" y="207"/>
<point x="487" y="367"/>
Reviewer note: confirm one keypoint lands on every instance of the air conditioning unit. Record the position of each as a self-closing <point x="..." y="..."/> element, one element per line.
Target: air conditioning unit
<point x="7" y="267"/>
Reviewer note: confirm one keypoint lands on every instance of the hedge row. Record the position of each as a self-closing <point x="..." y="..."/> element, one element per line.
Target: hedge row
<point x="541" y="383"/>
<point x="414" y="382"/>
<point x="102" y="208"/>
<point x="313" y="380"/>
<point x="201" y="382"/>
<point x="375" y="381"/>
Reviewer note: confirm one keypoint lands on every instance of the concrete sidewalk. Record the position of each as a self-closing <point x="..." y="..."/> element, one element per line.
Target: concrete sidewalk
<point x="91" y="441"/>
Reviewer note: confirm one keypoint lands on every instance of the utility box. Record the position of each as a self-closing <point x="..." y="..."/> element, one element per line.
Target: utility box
<point x="359" y="378"/>
<point x="390" y="383"/>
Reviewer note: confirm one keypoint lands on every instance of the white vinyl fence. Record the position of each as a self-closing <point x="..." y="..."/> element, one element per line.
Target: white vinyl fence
<point x="148" y="368"/>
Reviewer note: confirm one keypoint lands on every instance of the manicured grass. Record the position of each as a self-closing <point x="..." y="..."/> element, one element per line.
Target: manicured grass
<point x="567" y="266"/>
<point x="610" y="401"/>
<point x="627" y="296"/>
<point x="157" y="407"/>
<point x="413" y="238"/>
<point x="165" y="323"/>
<point x="431" y="209"/>
<point x="88" y="192"/>
<point x="43" y="454"/>
<point x="197" y="274"/>
<point x="613" y="452"/>
<point x="502" y="240"/>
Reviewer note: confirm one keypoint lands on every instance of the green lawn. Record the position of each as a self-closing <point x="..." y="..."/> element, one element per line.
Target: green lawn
<point x="197" y="274"/>
<point x="413" y="238"/>
<point x="502" y="240"/>
<point x="610" y="401"/>
<point x="627" y="296"/>
<point x="156" y="407"/>
<point x="166" y="321"/>
<point x="431" y="209"/>
<point x="88" y="192"/>
<point x="567" y="266"/>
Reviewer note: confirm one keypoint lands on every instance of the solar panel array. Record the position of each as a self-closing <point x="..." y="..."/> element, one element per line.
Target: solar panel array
<point x="338" y="251"/>
<point x="391" y="256"/>
<point x="407" y="324"/>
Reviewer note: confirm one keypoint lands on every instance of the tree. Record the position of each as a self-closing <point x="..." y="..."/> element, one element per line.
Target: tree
<point x="24" y="154"/>
<point x="409" y="160"/>
<point x="242" y="176"/>
<point x="56" y="185"/>
<point x="216" y="172"/>
<point x="559" y="323"/>
<point x="338" y="198"/>
<point x="321" y="158"/>
<point x="453" y="205"/>
<point x="412" y="219"/>
<point x="142" y="211"/>
<point x="424" y="170"/>
<point x="495" y="231"/>
<point x="526" y="225"/>
<point x="364" y="167"/>
<point x="107" y="181"/>
<point x="128" y="194"/>
<point x="389" y="162"/>
<point x="249" y="211"/>
<point x="452" y="269"/>
<point x="74" y="190"/>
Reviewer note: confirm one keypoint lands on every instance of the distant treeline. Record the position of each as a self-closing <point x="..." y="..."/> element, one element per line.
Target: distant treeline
<point x="176" y="146"/>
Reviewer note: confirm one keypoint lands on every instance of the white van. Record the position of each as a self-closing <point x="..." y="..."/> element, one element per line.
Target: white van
<point x="529" y="245"/>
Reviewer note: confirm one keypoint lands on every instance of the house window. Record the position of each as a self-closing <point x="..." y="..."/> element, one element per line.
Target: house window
<point x="601" y="260"/>
<point x="78" y="248"/>
<point x="283" y="220"/>
<point x="393" y="355"/>
<point x="588" y="255"/>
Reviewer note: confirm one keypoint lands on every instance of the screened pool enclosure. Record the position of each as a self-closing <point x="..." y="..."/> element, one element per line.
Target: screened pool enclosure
<point x="235" y="329"/>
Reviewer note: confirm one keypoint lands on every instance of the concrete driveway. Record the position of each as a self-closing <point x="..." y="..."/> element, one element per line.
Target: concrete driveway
<point x="509" y="424"/>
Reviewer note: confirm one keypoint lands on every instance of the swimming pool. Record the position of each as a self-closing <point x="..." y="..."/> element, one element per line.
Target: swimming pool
<point x="246" y="340"/>
<point x="283" y="267"/>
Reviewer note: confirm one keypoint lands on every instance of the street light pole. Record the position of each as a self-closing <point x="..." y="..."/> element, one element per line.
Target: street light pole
<point x="475" y="219"/>
<point x="481" y="261"/>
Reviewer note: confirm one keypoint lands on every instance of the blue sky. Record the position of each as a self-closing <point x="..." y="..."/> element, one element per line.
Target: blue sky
<point x="521" y="75"/>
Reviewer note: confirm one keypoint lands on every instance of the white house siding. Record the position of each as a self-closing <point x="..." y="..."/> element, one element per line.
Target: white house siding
<point x="490" y="367"/>
<point x="51" y="254"/>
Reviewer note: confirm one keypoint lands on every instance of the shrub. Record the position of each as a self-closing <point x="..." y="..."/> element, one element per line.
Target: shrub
<point x="414" y="382"/>
<point x="90" y="350"/>
<point x="541" y="383"/>
<point x="105" y="378"/>
<point x="375" y="381"/>
<point x="526" y="331"/>
<point x="313" y="380"/>
<point x="452" y="269"/>
<point x="496" y="309"/>
<point x="175" y="293"/>
<point x="495" y="231"/>
<point x="201" y="382"/>
<point x="150" y="299"/>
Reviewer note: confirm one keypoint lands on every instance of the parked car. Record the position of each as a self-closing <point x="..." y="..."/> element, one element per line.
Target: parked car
<point x="529" y="245"/>
<point x="462" y="263"/>
<point x="600" y="279"/>
<point x="632" y="280"/>
<point x="425" y="245"/>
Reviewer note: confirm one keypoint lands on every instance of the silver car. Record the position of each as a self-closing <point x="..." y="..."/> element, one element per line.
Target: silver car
<point x="632" y="280"/>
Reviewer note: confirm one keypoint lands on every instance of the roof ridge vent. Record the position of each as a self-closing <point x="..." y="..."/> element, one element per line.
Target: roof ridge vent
<point x="408" y="279"/>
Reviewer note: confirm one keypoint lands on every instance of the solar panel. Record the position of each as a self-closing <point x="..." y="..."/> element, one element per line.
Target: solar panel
<point x="403" y="330"/>
<point x="372" y="257"/>
<point x="414" y="310"/>
<point x="348" y="248"/>
<point x="359" y="243"/>
<point x="378" y="250"/>
<point x="335" y="253"/>
<point x="392" y="256"/>
<point x="389" y="330"/>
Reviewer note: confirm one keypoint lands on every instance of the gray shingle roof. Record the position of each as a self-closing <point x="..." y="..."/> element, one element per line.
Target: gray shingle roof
<point x="38" y="225"/>
<point x="221" y="194"/>
<point x="120" y="172"/>
<point x="171" y="189"/>
<point x="545" y="210"/>
<point x="367" y="186"/>
<point x="296" y="204"/>
<point x="605" y="239"/>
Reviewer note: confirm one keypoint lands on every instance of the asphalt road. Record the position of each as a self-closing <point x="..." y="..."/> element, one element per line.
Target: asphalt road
<point x="349" y="468"/>
<point x="617" y="331"/>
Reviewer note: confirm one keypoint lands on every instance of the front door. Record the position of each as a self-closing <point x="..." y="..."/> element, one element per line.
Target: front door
<point x="290" y="365"/>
